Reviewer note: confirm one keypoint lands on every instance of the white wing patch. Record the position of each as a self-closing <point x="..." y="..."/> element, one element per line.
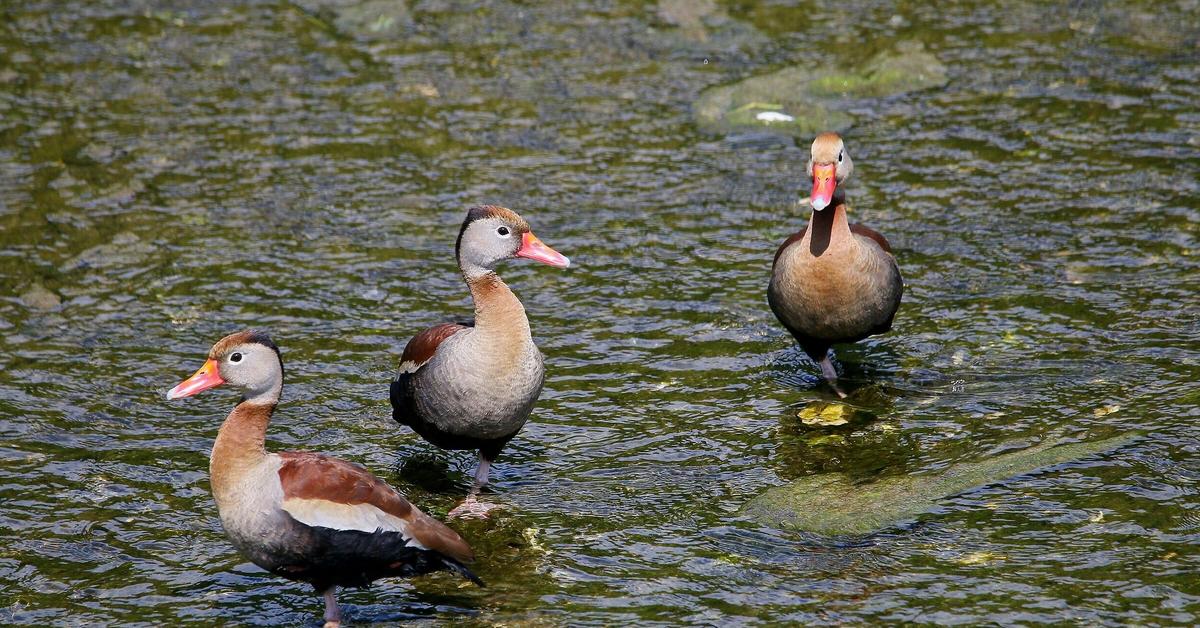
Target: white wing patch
<point x="410" y="366"/>
<point x="323" y="513"/>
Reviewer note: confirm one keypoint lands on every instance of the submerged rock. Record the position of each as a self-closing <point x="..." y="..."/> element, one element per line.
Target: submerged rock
<point x="702" y="25"/>
<point x="689" y="16"/>
<point x="125" y="249"/>
<point x="38" y="297"/>
<point x="368" y="19"/>
<point x="907" y="68"/>
<point x="803" y="100"/>
<point x="832" y="504"/>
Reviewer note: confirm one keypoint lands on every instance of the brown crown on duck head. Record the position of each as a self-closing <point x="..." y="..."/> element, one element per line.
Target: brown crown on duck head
<point x="255" y="336"/>
<point x="481" y="212"/>
<point x="829" y="165"/>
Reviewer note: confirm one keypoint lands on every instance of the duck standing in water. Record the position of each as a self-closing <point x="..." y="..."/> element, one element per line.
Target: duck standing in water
<point x="833" y="282"/>
<point x="472" y="386"/>
<point x="302" y="515"/>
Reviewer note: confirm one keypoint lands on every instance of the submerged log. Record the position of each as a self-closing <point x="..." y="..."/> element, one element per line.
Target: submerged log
<point x="831" y="504"/>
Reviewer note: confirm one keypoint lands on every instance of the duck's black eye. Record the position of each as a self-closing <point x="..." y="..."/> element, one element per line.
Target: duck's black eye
<point x="236" y="357"/>
<point x="502" y="231"/>
<point x="839" y="156"/>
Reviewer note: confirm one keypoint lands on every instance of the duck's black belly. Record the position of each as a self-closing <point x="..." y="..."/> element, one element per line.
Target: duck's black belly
<point x="325" y="557"/>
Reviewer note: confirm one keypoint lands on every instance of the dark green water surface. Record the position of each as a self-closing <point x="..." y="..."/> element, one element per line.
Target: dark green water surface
<point x="173" y="171"/>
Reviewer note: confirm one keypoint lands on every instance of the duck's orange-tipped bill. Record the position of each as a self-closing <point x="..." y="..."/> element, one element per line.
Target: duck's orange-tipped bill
<point x="207" y="377"/>
<point x="824" y="182"/>
<point x="532" y="248"/>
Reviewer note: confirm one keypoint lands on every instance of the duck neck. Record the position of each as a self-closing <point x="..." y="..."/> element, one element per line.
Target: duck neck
<point x="829" y="227"/>
<point x="498" y="312"/>
<point x="239" y="447"/>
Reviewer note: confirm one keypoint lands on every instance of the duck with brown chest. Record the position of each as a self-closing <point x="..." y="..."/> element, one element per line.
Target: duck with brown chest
<point x="472" y="386"/>
<point x="302" y="515"/>
<point x="833" y="282"/>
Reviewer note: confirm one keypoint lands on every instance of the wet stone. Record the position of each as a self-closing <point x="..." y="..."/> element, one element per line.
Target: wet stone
<point x="123" y="192"/>
<point x="38" y="297"/>
<point x="124" y="249"/>
<point x="96" y="152"/>
<point x="907" y="68"/>
<point x="67" y="186"/>
<point x="692" y="27"/>
<point x="801" y="101"/>
<point x="367" y="19"/>
<point x="688" y="15"/>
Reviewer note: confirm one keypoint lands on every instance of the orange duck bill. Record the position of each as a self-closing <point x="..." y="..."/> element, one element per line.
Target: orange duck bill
<point x="207" y="377"/>
<point x="532" y="248"/>
<point x="824" y="182"/>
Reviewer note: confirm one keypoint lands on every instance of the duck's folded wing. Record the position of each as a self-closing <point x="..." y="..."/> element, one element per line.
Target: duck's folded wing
<point x="792" y="239"/>
<point x="421" y="347"/>
<point x="860" y="229"/>
<point x="325" y="492"/>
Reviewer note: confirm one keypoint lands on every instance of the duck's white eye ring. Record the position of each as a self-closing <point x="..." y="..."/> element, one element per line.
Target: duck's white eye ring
<point x="502" y="232"/>
<point x="235" y="357"/>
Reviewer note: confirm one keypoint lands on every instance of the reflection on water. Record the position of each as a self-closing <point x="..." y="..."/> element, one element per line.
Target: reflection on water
<point x="170" y="172"/>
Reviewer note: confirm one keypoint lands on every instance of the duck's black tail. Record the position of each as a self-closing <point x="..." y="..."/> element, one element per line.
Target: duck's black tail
<point x="461" y="569"/>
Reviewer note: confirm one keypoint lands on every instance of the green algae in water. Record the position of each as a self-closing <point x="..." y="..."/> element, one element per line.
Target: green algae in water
<point x="830" y="504"/>
<point x="909" y="68"/>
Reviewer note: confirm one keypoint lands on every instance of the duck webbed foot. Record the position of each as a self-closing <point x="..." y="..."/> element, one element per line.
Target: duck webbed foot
<point x="472" y="508"/>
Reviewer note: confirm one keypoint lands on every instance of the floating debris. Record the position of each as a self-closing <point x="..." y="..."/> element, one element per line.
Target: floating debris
<point x="825" y="414"/>
<point x="822" y="414"/>
<point x="774" y="116"/>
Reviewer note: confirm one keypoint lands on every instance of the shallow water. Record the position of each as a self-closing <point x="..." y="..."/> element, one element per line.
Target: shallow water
<point x="176" y="171"/>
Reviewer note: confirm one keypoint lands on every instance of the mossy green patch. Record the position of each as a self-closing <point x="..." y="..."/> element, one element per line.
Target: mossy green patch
<point x="813" y="99"/>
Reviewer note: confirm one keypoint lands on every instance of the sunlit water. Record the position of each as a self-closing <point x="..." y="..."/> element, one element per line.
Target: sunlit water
<point x="176" y="171"/>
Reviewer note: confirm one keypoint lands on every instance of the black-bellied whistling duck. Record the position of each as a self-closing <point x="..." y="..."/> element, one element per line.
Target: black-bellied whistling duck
<point x="833" y="282"/>
<point x="472" y="386"/>
<point x="302" y="515"/>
